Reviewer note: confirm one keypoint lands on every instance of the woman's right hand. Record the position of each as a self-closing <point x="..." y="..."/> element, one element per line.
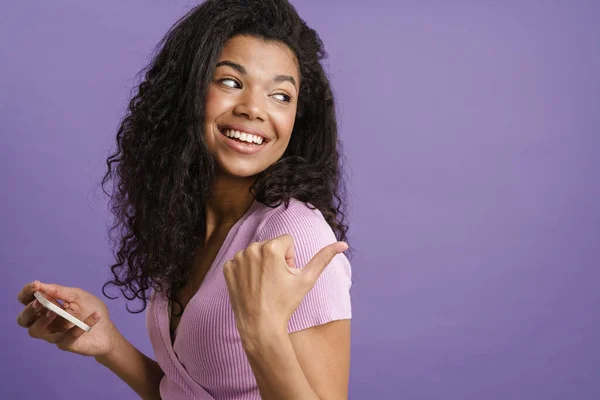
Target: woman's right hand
<point x="47" y="326"/>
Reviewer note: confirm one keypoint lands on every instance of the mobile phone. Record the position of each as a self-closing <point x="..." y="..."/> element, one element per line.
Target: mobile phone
<point x="59" y="311"/>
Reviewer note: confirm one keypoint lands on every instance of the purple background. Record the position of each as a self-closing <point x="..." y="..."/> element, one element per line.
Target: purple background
<point x="471" y="131"/>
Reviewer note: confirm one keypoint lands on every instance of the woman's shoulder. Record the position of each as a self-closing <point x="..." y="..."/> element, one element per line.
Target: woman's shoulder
<point x="329" y="299"/>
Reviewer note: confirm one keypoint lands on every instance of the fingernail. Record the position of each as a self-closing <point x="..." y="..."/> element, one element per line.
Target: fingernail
<point x="95" y="316"/>
<point x="33" y="284"/>
<point x="36" y="304"/>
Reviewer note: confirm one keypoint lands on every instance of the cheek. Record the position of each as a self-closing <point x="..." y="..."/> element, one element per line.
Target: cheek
<point x="217" y="103"/>
<point x="285" y="124"/>
<point x="212" y="105"/>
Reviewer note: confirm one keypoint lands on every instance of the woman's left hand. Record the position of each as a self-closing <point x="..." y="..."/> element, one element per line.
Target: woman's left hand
<point x="265" y="287"/>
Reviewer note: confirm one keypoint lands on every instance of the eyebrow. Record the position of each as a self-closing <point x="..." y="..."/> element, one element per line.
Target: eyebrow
<point x="240" y="68"/>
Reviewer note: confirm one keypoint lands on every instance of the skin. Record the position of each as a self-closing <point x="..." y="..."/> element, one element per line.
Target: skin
<point x="255" y="84"/>
<point x="309" y="364"/>
<point x="245" y="92"/>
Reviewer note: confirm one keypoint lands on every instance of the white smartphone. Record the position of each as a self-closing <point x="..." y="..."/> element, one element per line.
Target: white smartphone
<point x="59" y="311"/>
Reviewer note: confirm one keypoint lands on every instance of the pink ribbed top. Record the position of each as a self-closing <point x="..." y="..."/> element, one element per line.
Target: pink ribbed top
<point x="206" y="360"/>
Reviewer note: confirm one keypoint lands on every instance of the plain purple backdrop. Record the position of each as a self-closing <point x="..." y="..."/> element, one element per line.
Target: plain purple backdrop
<point x="471" y="131"/>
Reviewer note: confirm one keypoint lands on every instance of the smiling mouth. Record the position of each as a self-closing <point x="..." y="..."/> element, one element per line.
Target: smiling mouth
<point x="243" y="137"/>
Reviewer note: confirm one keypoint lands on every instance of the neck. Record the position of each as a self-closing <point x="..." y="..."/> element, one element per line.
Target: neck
<point x="230" y="199"/>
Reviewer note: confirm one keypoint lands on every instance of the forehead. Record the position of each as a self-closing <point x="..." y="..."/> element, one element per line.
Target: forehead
<point x="260" y="56"/>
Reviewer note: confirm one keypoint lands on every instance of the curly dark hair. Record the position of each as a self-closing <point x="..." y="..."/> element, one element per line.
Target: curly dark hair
<point x="162" y="172"/>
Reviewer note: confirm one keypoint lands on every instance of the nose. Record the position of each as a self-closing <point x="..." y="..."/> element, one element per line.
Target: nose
<point x="251" y="106"/>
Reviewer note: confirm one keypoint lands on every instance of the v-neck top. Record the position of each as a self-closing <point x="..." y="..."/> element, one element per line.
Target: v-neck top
<point x="206" y="360"/>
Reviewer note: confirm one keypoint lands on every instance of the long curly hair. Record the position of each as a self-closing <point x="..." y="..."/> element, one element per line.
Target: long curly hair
<point x="162" y="173"/>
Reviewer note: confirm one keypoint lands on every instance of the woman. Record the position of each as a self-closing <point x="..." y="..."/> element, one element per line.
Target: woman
<point x="226" y="186"/>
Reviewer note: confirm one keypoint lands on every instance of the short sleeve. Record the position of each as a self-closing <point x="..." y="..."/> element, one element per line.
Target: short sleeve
<point x="329" y="299"/>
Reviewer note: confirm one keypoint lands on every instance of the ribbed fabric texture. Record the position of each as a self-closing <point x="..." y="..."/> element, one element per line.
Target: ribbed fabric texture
<point x="207" y="360"/>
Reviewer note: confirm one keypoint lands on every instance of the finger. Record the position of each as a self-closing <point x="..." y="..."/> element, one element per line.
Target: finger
<point x="255" y="246"/>
<point x="29" y="314"/>
<point x="283" y="244"/>
<point x="290" y="254"/>
<point x="39" y="329"/>
<point x="75" y="332"/>
<point x="63" y="293"/>
<point x="321" y="260"/>
<point x="57" y="325"/>
<point x="285" y="241"/>
<point x="25" y="296"/>
<point x="60" y="325"/>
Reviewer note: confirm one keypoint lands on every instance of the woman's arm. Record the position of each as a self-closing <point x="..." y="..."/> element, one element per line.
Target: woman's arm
<point x="310" y="364"/>
<point x="265" y="288"/>
<point x="284" y="283"/>
<point x="323" y="352"/>
<point x="104" y="342"/>
<point x="137" y="370"/>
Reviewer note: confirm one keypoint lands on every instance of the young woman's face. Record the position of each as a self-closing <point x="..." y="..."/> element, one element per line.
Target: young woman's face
<point x="251" y="105"/>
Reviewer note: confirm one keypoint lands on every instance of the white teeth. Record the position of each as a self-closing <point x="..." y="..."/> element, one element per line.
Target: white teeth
<point x="243" y="136"/>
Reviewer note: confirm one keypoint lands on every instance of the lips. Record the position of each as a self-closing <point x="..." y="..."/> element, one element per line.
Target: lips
<point x="239" y="146"/>
<point x="243" y="137"/>
<point x="244" y="128"/>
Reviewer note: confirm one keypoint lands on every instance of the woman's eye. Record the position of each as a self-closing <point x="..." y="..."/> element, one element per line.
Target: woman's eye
<point x="232" y="83"/>
<point x="283" y="97"/>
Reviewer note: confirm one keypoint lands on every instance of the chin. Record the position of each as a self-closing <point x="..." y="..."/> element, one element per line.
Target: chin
<point x="239" y="170"/>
